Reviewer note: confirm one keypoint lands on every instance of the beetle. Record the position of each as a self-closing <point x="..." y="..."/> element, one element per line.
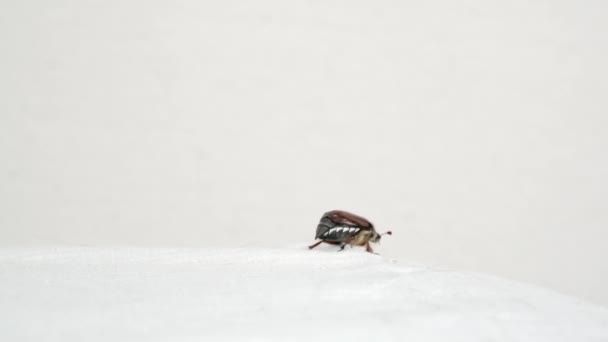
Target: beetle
<point x="339" y="227"/>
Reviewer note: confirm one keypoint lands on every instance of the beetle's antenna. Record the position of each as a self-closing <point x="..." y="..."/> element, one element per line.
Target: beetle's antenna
<point x="387" y="232"/>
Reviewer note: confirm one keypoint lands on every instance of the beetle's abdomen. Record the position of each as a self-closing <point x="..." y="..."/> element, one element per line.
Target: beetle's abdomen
<point x="338" y="233"/>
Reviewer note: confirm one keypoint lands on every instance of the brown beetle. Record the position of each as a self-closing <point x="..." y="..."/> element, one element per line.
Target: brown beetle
<point x="338" y="227"/>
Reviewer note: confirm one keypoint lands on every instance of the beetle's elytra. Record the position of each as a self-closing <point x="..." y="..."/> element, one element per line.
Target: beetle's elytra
<point x="338" y="227"/>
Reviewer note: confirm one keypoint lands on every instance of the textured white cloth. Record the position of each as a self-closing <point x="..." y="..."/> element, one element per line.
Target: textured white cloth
<point x="290" y="294"/>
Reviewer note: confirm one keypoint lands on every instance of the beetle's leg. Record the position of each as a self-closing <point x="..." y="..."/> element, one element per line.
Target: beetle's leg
<point x="369" y="248"/>
<point x="315" y="245"/>
<point x="347" y="242"/>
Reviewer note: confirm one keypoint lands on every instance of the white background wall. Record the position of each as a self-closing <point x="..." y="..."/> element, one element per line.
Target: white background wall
<point x="476" y="130"/>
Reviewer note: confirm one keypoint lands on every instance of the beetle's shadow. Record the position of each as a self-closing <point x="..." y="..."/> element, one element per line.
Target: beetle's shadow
<point x="330" y="248"/>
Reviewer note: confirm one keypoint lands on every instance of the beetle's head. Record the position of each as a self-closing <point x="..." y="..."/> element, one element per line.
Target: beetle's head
<point x="376" y="237"/>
